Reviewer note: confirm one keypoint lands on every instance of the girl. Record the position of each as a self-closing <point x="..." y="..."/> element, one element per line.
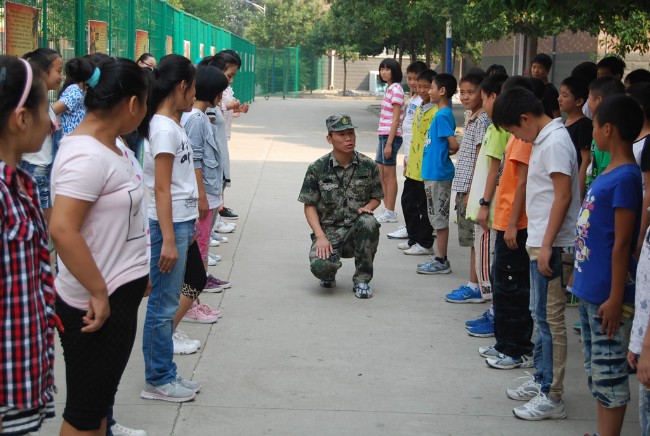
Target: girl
<point x="49" y="65"/>
<point x="169" y="175"/>
<point x="26" y="283"/>
<point x="103" y="275"/>
<point x="70" y="106"/>
<point x="146" y="60"/>
<point x="390" y="135"/>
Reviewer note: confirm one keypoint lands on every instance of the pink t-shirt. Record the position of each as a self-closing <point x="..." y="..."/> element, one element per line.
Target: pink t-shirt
<point x="394" y="95"/>
<point x="115" y="227"/>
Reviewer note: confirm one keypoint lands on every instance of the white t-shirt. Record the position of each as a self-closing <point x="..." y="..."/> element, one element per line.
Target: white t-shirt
<point x="407" y="125"/>
<point x="553" y="152"/>
<point x="43" y="158"/>
<point x="114" y="228"/>
<point x="167" y="136"/>
<point x="227" y="98"/>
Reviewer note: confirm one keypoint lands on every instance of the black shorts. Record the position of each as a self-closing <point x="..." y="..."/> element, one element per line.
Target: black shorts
<point x="94" y="362"/>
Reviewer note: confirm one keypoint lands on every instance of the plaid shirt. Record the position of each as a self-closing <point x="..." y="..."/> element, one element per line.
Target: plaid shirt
<point x="475" y="127"/>
<point x="27" y="298"/>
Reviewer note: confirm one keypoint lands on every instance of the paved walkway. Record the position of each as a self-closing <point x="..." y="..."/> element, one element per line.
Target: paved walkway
<point x="290" y="358"/>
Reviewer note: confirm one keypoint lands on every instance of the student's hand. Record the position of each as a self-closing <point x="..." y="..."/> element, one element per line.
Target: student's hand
<point x="204" y="208"/>
<point x="324" y="248"/>
<point x="98" y="312"/>
<point x="365" y="210"/>
<point x="244" y="108"/>
<point x="510" y="237"/>
<point x="543" y="261"/>
<point x="147" y="291"/>
<point x="611" y="312"/>
<point x="631" y="359"/>
<point x="168" y="256"/>
<point x="388" y="151"/>
<point x="643" y="368"/>
<point x="405" y="164"/>
<point x="482" y="217"/>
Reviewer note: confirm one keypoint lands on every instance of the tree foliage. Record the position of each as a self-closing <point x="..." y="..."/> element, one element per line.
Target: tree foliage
<point x="286" y="23"/>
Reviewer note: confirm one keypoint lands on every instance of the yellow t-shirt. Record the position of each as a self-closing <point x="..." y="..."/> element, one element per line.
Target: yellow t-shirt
<point x="421" y="122"/>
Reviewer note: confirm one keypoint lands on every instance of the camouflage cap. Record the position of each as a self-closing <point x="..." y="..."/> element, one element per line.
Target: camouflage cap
<point x="339" y="122"/>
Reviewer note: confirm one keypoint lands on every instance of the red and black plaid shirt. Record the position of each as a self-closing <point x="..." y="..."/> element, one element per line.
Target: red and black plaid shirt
<point x="26" y="296"/>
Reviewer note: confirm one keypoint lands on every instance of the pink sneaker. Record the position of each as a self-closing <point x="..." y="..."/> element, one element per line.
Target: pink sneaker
<point x="207" y="309"/>
<point x="195" y="314"/>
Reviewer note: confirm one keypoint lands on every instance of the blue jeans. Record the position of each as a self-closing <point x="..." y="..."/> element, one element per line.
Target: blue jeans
<point x="547" y="304"/>
<point x="644" y="409"/>
<point x="157" y="344"/>
<point x="41" y="176"/>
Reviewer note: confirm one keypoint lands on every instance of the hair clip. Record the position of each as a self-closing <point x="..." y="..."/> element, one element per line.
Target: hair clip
<point x="94" y="79"/>
<point x="28" y="84"/>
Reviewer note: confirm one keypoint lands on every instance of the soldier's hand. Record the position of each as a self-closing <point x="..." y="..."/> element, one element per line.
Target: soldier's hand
<point x="365" y="210"/>
<point x="324" y="248"/>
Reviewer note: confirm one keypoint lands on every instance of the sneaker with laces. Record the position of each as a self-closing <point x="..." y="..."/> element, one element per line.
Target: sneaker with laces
<point x="214" y="242"/>
<point x="203" y="307"/>
<point x="387" y="217"/>
<point x="400" y="233"/>
<point x="404" y="245"/>
<point x="193" y="386"/>
<point x="488" y="351"/>
<point x="478" y="321"/>
<point x="330" y="283"/>
<point x="224" y="227"/>
<point x="173" y="392"/>
<point x="228" y="213"/>
<point x="464" y="294"/>
<point x="212" y="261"/>
<point x="429" y="259"/>
<point x="183" y="344"/>
<point x="218" y="237"/>
<point x="485" y="330"/>
<point x="362" y="290"/>
<point x="214" y="256"/>
<point x="199" y="316"/>
<point x="435" y="267"/>
<point x="525" y="391"/>
<point x="215" y="285"/>
<point x="418" y="250"/>
<point x="119" y="430"/>
<point x="540" y="407"/>
<point x="508" y="362"/>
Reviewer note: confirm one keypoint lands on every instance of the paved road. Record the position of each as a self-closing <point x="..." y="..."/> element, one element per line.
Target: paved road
<point x="290" y="358"/>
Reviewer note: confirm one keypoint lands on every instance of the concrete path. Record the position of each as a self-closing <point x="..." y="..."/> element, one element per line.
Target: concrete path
<point x="290" y="358"/>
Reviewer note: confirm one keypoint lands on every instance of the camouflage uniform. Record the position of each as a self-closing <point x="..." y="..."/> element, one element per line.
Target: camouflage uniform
<point x="338" y="193"/>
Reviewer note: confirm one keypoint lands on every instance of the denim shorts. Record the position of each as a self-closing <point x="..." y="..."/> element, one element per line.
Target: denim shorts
<point x="605" y="359"/>
<point x="41" y="176"/>
<point x="397" y="144"/>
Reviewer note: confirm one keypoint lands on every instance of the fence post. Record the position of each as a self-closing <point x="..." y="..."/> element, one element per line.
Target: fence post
<point x="162" y="45"/>
<point x="297" y="72"/>
<point x="130" y="38"/>
<point x="80" y="28"/>
<point x="44" y="25"/>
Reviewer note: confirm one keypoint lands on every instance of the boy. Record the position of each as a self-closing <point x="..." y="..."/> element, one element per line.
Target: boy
<point x="539" y="68"/>
<point x="476" y="123"/>
<point x="611" y="66"/>
<point x="414" y="198"/>
<point x="438" y="170"/>
<point x="605" y="267"/>
<point x="573" y="95"/>
<point x="552" y="205"/>
<point x="480" y="208"/>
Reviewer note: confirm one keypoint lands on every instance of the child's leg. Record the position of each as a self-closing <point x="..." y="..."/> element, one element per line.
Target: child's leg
<point x="610" y="421"/>
<point x="194" y="278"/>
<point x="483" y="248"/>
<point x="390" y="186"/>
<point x="382" y="178"/>
<point x="473" y="278"/>
<point x="439" y="215"/>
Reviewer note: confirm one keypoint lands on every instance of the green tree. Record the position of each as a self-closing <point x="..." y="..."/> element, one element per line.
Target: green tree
<point x="285" y="23"/>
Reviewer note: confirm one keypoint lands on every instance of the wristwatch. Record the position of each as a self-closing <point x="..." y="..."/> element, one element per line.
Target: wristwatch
<point x="482" y="202"/>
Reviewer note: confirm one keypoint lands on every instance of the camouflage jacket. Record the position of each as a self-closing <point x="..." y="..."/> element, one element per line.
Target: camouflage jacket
<point x="339" y="192"/>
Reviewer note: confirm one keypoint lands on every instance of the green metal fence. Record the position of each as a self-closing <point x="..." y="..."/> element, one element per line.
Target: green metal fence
<point x="287" y="71"/>
<point x="64" y="27"/>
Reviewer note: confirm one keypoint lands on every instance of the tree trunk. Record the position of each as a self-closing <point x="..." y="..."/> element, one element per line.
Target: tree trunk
<point x="345" y="74"/>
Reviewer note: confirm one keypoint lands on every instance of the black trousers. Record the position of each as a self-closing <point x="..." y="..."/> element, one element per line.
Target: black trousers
<point x="414" y="206"/>
<point x="513" y="324"/>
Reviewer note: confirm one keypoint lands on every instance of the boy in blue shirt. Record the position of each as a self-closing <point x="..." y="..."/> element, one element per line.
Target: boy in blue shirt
<point x="605" y="267"/>
<point x="438" y="170"/>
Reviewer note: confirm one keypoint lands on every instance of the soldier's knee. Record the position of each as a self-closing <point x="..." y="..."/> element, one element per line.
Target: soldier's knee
<point x="323" y="269"/>
<point x="369" y="222"/>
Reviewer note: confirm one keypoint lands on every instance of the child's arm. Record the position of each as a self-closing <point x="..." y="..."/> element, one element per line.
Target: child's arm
<point x="488" y="192"/>
<point x="163" y="165"/>
<point x="453" y="145"/>
<point x="518" y="202"/>
<point x="559" y="208"/>
<point x="612" y="309"/>
<point x="397" y="113"/>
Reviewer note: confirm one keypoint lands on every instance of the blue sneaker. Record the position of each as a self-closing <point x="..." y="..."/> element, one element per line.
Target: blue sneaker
<point x="435" y="267"/>
<point x="478" y="321"/>
<point x="485" y="330"/>
<point x="464" y="294"/>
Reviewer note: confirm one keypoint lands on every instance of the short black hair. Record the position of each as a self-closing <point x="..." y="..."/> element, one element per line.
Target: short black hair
<point x="395" y="69"/>
<point x="416" y="67"/>
<point x="512" y="104"/>
<point x="477" y="71"/>
<point x="448" y="82"/>
<point x="624" y="113"/>
<point x="578" y="87"/>
<point x="638" y="76"/>
<point x="492" y="84"/>
<point x="641" y="93"/>
<point x="587" y="71"/>
<point x="427" y="75"/>
<point x="539" y="88"/>
<point x="544" y="60"/>
<point x="513" y="81"/>
<point x="606" y="86"/>
<point x="614" y="64"/>
<point x="474" y="79"/>
<point x="210" y="82"/>
<point x="495" y="69"/>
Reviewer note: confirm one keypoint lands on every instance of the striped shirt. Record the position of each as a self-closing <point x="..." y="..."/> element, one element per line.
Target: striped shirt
<point x="394" y="95"/>
<point x="27" y="298"/>
<point x="475" y="128"/>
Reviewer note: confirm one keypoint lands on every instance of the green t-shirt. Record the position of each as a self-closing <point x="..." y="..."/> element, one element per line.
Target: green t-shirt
<point x="599" y="161"/>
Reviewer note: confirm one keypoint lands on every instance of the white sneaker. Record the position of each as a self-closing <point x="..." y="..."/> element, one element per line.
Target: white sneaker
<point x="400" y="233"/>
<point x="223" y="227"/>
<point x="387" y="217"/>
<point x="540" y="407"/>
<point x="183" y="344"/>
<point x="212" y="261"/>
<point x="219" y="238"/>
<point x="120" y="430"/>
<point x="214" y="257"/>
<point x="403" y="245"/>
<point x="525" y="391"/>
<point x="214" y="242"/>
<point x="418" y="250"/>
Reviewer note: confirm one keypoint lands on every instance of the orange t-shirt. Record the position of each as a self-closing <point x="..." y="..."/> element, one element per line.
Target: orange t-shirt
<point x="517" y="153"/>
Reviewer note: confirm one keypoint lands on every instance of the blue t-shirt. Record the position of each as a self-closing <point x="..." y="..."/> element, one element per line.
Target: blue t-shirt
<point x="619" y="188"/>
<point x="436" y="163"/>
<point x="73" y="98"/>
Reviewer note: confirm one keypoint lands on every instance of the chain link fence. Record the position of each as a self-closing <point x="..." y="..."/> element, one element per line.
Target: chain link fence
<point x="287" y="72"/>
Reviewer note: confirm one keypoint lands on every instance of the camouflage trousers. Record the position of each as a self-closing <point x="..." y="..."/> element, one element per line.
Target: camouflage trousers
<point x="359" y="241"/>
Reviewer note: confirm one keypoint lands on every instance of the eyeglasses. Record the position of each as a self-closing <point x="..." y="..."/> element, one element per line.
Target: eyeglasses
<point x="148" y="65"/>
